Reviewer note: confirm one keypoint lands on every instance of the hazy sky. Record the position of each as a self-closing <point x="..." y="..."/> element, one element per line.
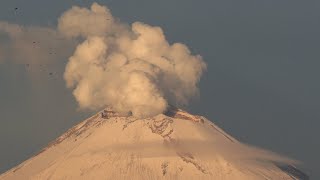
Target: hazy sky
<point x="262" y="84"/>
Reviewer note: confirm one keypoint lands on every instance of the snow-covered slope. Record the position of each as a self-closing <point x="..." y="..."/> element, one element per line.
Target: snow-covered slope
<point x="174" y="145"/>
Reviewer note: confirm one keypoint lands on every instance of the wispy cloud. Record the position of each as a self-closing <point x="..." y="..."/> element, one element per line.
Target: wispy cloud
<point x="33" y="44"/>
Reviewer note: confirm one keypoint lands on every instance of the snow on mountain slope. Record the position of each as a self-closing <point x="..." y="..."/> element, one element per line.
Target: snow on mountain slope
<point x="174" y="145"/>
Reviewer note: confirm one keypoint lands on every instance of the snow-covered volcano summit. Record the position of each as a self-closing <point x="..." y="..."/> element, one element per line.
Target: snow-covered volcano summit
<point x="174" y="145"/>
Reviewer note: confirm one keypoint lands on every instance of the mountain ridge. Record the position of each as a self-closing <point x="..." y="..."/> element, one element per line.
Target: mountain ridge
<point x="173" y="145"/>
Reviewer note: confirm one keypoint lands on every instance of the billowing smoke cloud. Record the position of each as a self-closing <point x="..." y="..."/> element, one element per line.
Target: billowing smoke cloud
<point x="32" y="44"/>
<point x="132" y="69"/>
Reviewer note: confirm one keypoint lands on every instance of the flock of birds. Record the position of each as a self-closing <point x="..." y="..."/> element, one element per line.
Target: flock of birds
<point x="42" y="67"/>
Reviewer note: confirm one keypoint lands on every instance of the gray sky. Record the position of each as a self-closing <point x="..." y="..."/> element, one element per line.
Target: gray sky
<point x="262" y="84"/>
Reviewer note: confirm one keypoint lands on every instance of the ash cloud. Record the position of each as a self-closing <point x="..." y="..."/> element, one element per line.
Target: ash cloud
<point x="33" y="44"/>
<point x="130" y="68"/>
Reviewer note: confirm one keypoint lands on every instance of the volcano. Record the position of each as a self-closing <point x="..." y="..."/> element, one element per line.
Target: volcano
<point x="172" y="145"/>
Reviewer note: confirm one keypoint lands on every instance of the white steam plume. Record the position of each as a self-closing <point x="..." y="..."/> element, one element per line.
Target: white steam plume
<point x="129" y="68"/>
